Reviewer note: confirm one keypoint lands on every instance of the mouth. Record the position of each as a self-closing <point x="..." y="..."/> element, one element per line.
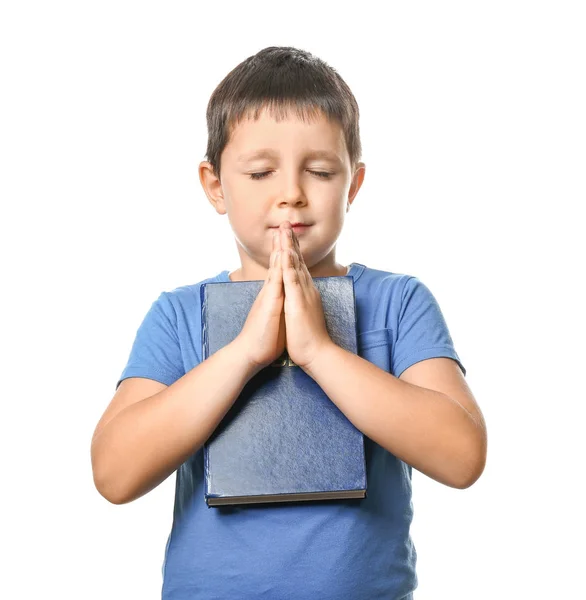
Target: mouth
<point x="297" y="227"/>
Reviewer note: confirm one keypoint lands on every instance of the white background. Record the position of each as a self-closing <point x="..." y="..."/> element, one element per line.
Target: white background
<point x="474" y="136"/>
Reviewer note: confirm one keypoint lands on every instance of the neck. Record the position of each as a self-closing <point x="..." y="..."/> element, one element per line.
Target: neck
<point x="246" y="275"/>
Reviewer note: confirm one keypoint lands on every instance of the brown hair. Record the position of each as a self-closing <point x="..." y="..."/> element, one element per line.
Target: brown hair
<point x="281" y="78"/>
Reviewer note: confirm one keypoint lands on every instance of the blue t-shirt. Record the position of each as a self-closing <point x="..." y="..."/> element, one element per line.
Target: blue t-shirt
<point x="332" y="550"/>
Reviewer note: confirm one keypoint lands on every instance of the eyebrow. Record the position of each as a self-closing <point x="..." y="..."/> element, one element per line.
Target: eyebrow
<point x="269" y="153"/>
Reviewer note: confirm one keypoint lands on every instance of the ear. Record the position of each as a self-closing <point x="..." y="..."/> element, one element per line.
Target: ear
<point x="212" y="186"/>
<point x="356" y="184"/>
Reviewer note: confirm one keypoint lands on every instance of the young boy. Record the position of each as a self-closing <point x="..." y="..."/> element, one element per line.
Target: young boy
<point x="295" y="160"/>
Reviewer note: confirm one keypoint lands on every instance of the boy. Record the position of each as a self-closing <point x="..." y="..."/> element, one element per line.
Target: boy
<point x="295" y="160"/>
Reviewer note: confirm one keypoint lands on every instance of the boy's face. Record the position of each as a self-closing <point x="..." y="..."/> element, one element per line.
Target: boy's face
<point x="258" y="191"/>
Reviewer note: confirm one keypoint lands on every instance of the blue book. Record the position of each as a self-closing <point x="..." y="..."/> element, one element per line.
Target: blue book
<point x="283" y="439"/>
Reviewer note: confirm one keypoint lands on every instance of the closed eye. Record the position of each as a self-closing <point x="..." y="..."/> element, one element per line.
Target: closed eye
<point x="321" y="174"/>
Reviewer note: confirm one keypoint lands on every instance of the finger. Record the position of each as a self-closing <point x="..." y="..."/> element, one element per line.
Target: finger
<point x="292" y="281"/>
<point x="285" y="238"/>
<point x="300" y="276"/>
<point x="275" y="275"/>
<point x="288" y="241"/>
<point x="303" y="276"/>
<point x="277" y="239"/>
<point x="304" y="273"/>
<point x="276" y="245"/>
<point x="272" y="254"/>
<point x="277" y="271"/>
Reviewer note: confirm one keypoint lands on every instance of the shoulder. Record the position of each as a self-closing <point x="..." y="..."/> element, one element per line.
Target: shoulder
<point x="383" y="279"/>
<point x="400" y="288"/>
<point x="185" y="295"/>
<point x="385" y="291"/>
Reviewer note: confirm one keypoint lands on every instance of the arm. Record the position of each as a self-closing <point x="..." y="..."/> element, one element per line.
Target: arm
<point x="145" y="442"/>
<point x="426" y="428"/>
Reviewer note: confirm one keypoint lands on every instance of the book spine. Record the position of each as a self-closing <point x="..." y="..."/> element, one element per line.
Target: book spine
<point x="204" y="355"/>
<point x="355" y="350"/>
<point x="354" y="316"/>
<point x="204" y="329"/>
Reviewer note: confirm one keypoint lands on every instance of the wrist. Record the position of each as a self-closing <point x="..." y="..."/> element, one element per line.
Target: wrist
<point x="322" y="356"/>
<point x="241" y="358"/>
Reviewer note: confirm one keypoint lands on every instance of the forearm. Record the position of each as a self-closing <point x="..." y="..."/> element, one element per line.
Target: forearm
<point x="422" y="427"/>
<point x="150" y="439"/>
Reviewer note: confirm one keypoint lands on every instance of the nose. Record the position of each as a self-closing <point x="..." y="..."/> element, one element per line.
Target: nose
<point x="292" y="190"/>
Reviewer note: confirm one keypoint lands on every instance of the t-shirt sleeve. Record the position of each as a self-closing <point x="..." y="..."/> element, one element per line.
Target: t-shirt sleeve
<point x="422" y="329"/>
<point x="156" y="353"/>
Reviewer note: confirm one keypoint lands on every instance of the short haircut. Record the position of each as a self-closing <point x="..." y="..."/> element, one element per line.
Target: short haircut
<point x="281" y="79"/>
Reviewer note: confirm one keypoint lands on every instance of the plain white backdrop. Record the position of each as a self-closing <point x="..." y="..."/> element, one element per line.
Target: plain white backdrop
<point x="473" y="130"/>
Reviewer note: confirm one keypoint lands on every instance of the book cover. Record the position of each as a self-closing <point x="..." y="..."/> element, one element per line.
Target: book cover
<point x="283" y="439"/>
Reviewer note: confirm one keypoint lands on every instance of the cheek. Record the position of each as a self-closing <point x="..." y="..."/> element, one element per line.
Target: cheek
<point x="331" y="211"/>
<point x="244" y="208"/>
<point x="250" y="222"/>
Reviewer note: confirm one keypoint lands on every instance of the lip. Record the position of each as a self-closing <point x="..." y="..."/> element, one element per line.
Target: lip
<point x="300" y="228"/>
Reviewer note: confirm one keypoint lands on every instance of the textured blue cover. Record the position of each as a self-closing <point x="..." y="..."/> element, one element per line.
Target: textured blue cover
<point x="283" y="440"/>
